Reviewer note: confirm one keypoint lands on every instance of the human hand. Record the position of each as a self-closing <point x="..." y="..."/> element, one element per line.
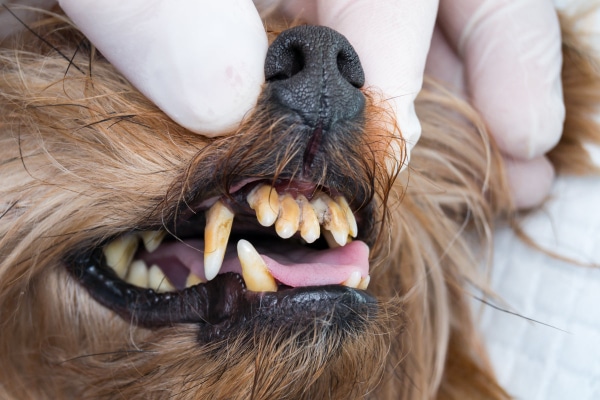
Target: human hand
<point x="506" y="57"/>
<point x="201" y="62"/>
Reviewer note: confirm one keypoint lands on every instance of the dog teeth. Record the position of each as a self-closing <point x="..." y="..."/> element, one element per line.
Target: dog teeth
<point x="354" y="280"/>
<point x="120" y="252"/>
<point x="288" y="221"/>
<point x="152" y="239"/>
<point x="352" y="226"/>
<point x="219" y="220"/>
<point x="158" y="281"/>
<point x="193" y="280"/>
<point x="332" y="217"/>
<point x="364" y="282"/>
<point x="254" y="270"/>
<point x="138" y="274"/>
<point x="309" y="224"/>
<point x="264" y="200"/>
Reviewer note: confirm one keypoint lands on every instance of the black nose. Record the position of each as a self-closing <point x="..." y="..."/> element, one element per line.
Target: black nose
<point x="314" y="71"/>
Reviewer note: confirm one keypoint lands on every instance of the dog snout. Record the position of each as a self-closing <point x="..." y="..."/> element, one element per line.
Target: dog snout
<point x="315" y="72"/>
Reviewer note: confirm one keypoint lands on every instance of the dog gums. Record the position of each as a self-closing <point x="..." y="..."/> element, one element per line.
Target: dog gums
<point x="84" y="158"/>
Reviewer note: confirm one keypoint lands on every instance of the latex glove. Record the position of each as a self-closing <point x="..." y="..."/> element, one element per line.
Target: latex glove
<point x="506" y="56"/>
<point x="392" y="40"/>
<point x="200" y="61"/>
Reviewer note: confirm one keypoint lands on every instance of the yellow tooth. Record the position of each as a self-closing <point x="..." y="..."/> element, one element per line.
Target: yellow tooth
<point x="264" y="200"/>
<point x="331" y="216"/>
<point x="152" y="239"/>
<point x="193" y="280"/>
<point x="219" y="219"/>
<point x="364" y="283"/>
<point x="343" y="203"/>
<point x="289" y="217"/>
<point x="353" y="280"/>
<point x="254" y="270"/>
<point x="120" y="252"/>
<point x="330" y="240"/>
<point x="158" y="281"/>
<point x="138" y="274"/>
<point x="309" y="224"/>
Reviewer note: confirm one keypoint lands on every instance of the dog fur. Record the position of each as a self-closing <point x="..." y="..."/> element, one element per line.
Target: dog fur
<point x="84" y="157"/>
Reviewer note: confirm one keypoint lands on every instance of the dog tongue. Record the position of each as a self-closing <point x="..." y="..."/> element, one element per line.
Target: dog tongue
<point x="290" y="265"/>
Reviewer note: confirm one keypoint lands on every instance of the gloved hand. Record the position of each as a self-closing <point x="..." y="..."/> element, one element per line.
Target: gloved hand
<point x="506" y="57"/>
<point x="201" y="62"/>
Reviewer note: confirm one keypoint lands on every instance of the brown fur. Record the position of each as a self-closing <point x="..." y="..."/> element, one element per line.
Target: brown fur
<point x="84" y="156"/>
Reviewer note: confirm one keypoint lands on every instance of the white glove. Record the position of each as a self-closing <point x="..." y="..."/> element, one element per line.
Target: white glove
<point x="509" y="64"/>
<point x="200" y="61"/>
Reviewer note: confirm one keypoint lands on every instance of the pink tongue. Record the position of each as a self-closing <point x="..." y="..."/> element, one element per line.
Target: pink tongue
<point x="292" y="265"/>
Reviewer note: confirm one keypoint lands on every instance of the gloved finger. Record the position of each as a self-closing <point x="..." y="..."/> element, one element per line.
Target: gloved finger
<point x="392" y="40"/>
<point x="201" y="62"/>
<point x="444" y="65"/>
<point x="530" y="181"/>
<point x="512" y="56"/>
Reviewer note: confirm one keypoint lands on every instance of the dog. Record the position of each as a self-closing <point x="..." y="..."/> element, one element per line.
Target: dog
<point x="285" y="260"/>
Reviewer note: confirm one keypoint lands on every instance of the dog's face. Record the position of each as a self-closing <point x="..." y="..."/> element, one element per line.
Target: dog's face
<point x="140" y="260"/>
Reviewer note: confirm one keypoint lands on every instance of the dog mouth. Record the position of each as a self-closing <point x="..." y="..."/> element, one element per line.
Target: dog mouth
<point x="264" y="251"/>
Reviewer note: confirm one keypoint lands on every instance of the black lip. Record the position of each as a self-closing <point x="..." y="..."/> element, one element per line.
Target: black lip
<point x="223" y="305"/>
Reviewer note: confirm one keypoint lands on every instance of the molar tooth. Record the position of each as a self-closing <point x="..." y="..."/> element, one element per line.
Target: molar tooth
<point x="364" y="282"/>
<point x="193" y="280"/>
<point x="152" y="239"/>
<point x="254" y="270"/>
<point x="332" y="217"/>
<point x="353" y="280"/>
<point x="138" y="274"/>
<point x="219" y="220"/>
<point x="289" y="217"/>
<point x="120" y="252"/>
<point x="264" y="200"/>
<point x="309" y="224"/>
<point x="343" y="203"/>
<point x="158" y="281"/>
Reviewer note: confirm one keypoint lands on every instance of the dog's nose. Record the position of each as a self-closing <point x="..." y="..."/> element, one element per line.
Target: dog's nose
<point x="314" y="71"/>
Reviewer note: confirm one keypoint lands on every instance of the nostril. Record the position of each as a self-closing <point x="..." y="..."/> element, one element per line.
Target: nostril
<point x="349" y="67"/>
<point x="289" y="63"/>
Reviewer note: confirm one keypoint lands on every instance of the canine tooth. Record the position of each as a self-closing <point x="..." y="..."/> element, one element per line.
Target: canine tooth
<point x="254" y="270"/>
<point x="264" y="200"/>
<point x="193" y="280"/>
<point x="120" y="252"/>
<point x="289" y="217"/>
<point x="331" y="216"/>
<point x="364" y="282"/>
<point x="152" y="239"/>
<point x="353" y="280"/>
<point x="219" y="219"/>
<point x="138" y="274"/>
<point x="158" y="281"/>
<point x="330" y="240"/>
<point x="352" y="226"/>
<point x="309" y="224"/>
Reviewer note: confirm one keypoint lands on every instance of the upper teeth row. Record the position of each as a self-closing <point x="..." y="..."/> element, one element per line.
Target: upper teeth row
<point x="289" y="215"/>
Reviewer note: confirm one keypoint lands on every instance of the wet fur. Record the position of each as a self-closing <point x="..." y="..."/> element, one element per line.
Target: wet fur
<point x="84" y="156"/>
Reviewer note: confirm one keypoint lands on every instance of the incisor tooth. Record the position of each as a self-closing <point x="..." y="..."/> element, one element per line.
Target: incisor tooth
<point x="193" y="280"/>
<point x="138" y="274"/>
<point x="264" y="200"/>
<point x="364" y="282"/>
<point x="120" y="252"/>
<point x="152" y="239"/>
<point x="332" y="217"/>
<point x="289" y="217"/>
<point x="343" y="203"/>
<point x="353" y="280"/>
<point x="219" y="219"/>
<point x="158" y="281"/>
<point x="309" y="224"/>
<point x="254" y="270"/>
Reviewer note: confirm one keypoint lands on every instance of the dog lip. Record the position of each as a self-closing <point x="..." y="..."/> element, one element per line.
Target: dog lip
<point x="220" y="306"/>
